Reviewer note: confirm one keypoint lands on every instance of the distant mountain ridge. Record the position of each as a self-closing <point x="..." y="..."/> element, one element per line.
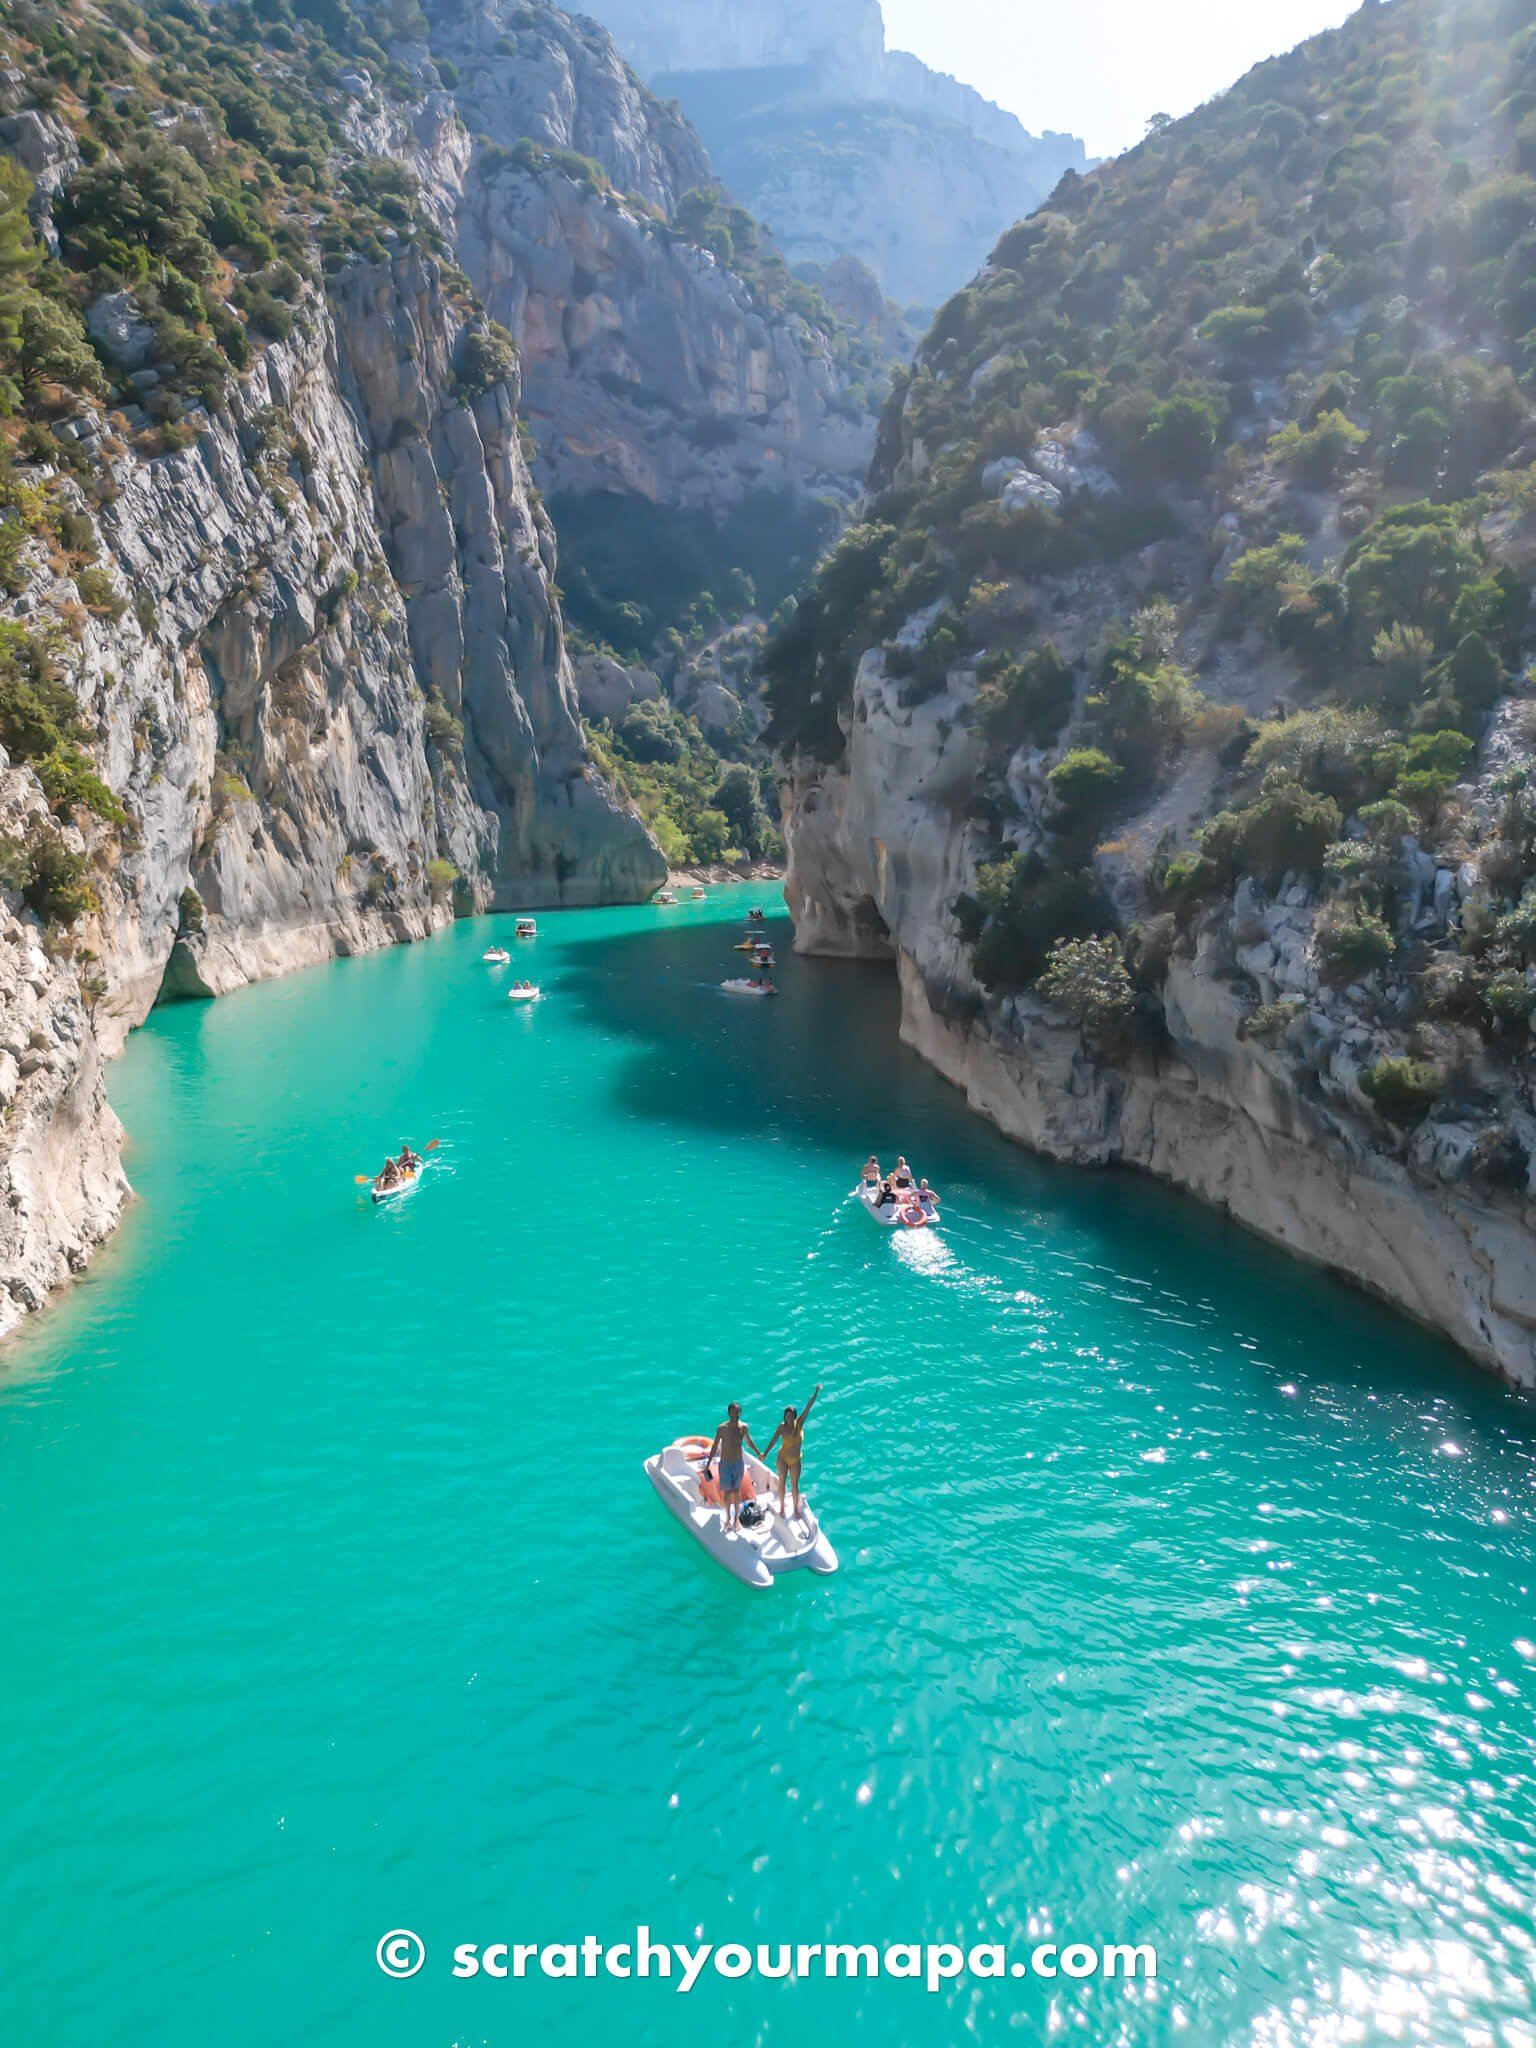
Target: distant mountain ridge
<point x="842" y="147"/>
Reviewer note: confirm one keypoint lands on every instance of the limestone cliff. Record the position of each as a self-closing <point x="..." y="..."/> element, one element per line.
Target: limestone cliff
<point x="1168" y="718"/>
<point x="1280" y="1136"/>
<point x="284" y="664"/>
<point x="843" y="147"/>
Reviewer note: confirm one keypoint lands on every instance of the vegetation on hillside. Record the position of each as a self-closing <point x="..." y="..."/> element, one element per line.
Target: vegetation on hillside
<point x="1263" y="388"/>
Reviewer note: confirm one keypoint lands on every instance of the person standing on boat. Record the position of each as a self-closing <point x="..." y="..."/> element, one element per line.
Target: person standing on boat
<point x="729" y="1439"/>
<point x="791" y="1450"/>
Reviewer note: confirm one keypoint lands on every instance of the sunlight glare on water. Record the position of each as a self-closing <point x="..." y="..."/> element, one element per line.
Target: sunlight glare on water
<point x="1185" y="1597"/>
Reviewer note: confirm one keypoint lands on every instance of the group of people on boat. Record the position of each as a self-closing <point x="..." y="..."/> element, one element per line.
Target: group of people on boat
<point x="394" y="1171"/>
<point x="899" y="1185"/>
<point x="761" y="950"/>
<point x="727" y="1456"/>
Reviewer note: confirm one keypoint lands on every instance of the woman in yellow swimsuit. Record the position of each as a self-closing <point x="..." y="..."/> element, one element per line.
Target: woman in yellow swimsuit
<point x="790" y="1437"/>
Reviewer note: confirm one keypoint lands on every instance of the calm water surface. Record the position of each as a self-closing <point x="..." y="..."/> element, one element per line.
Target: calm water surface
<point x="1185" y="1597"/>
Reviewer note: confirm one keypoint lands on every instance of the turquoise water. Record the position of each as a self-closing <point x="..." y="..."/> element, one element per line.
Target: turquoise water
<point x="1186" y="1597"/>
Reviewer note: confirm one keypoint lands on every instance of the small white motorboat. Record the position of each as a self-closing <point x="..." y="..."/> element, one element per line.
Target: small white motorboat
<point x="530" y="994"/>
<point x="906" y="1212"/>
<point x="749" y="988"/>
<point x="496" y="956"/>
<point x="405" y="1185"/>
<point x="664" y="896"/>
<point x="526" y="928"/>
<point x="759" y="1551"/>
<point x="698" y="895"/>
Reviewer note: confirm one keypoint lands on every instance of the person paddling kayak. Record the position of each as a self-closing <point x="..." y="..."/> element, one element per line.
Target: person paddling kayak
<point x="409" y="1160"/>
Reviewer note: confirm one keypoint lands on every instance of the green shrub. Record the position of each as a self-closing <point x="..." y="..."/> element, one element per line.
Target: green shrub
<point x="444" y="730"/>
<point x="1266" y="1022"/>
<point x="1287" y="828"/>
<point x="1088" y="979"/>
<point x="1028" y="908"/>
<point x="1317" y="453"/>
<point x="1190" y="877"/>
<point x="1083" y="783"/>
<point x="190" y="914"/>
<point x="1402" y="1089"/>
<point x="1352" y="941"/>
<point x="487" y="357"/>
<point x="55" y="886"/>
<point x="99" y="593"/>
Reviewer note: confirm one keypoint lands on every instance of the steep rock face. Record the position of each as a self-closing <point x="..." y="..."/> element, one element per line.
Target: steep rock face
<point x="649" y="372"/>
<point x="879" y="852"/>
<point x="1173" y="696"/>
<point x="848" y="36"/>
<point x="651" y="368"/>
<point x="843" y="147"/>
<point x="61" y="1184"/>
<point x="321" y="668"/>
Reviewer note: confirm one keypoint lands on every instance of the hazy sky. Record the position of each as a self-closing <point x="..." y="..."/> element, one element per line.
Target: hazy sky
<point x="1099" y="68"/>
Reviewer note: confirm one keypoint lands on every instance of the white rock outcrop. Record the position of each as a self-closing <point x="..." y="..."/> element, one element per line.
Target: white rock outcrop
<point x="1281" y="1139"/>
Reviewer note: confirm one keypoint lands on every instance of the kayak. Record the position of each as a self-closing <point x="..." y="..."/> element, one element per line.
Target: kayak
<point x="403" y="1186"/>
<point x="748" y="988"/>
<point x="906" y="1211"/>
<point x="756" y="1555"/>
<point x="523" y="995"/>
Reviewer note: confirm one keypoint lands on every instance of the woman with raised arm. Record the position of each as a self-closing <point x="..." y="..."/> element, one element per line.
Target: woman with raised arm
<point x="791" y="1450"/>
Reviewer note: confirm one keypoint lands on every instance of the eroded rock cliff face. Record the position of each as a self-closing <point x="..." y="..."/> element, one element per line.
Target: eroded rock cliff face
<point x="317" y="657"/>
<point x="1286" y="1145"/>
<point x="843" y="147"/>
<point x="1173" y="695"/>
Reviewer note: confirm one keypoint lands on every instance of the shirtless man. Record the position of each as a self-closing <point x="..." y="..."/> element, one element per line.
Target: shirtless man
<point x="729" y="1438"/>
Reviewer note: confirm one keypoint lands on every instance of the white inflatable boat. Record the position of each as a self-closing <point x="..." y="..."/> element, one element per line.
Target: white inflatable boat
<point x="749" y="988"/>
<point x="906" y="1212"/>
<point x="756" y="1554"/>
<point x="496" y="956"/>
<point x="523" y="995"/>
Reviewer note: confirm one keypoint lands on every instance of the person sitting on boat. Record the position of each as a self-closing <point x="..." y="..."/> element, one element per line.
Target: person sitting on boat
<point x="887" y="1191"/>
<point x="792" y="1433"/>
<point x="409" y="1160"/>
<point x="902" y="1177"/>
<point x="729" y="1438"/>
<point x="871" y="1173"/>
<point x="926" y="1195"/>
<point x="389" y="1174"/>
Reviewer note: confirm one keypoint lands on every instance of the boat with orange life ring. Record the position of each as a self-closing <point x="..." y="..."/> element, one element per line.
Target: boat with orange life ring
<point x="906" y="1212"/>
<point x="757" y="1552"/>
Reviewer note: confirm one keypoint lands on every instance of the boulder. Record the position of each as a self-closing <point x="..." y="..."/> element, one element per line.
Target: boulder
<point x="716" y="708"/>
<point x="606" y="688"/>
<point x="118" y="329"/>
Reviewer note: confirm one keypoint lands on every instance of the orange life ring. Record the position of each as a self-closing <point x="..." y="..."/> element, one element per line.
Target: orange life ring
<point x="695" y="1444"/>
<point x="913" y="1217"/>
